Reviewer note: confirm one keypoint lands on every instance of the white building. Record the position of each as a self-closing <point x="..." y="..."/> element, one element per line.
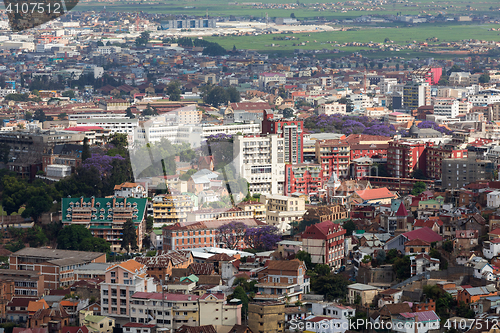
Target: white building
<point x="423" y="263"/>
<point x="332" y="108"/>
<point x="491" y="248"/>
<point x="156" y="237"/>
<point x="130" y="190"/>
<point x="58" y="170"/>
<point x="485" y="97"/>
<point x="267" y="78"/>
<point x="387" y="84"/>
<point x="333" y="310"/>
<point x="448" y="107"/>
<point x="260" y="160"/>
<point x="493" y="199"/>
<point x="113" y="125"/>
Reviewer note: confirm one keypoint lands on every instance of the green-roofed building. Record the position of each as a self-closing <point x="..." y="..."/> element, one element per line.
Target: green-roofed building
<point x="192" y="278"/>
<point x="104" y="217"/>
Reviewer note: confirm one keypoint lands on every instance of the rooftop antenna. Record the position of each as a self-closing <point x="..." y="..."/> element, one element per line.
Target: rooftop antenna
<point x="267" y="20"/>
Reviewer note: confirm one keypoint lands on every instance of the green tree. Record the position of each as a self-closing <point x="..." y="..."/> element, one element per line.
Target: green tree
<point x="418" y="188"/>
<point x="86" y="149"/>
<point x="38" y="202"/>
<point x="129" y="237"/>
<point x="484" y="78"/>
<point x="129" y="113"/>
<point x="401" y="267"/>
<point x="350" y="227"/>
<point x="331" y="286"/>
<point x="174" y="91"/>
<point x="69" y="93"/>
<point x="322" y="269"/>
<point x="453" y="69"/>
<point x="149" y="223"/>
<point x="186" y="175"/>
<point x="62" y="115"/>
<point x="234" y="95"/>
<point x="288" y="113"/>
<point x="95" y="244"/>
<point x="149" y="111"/>
<point x="28" y="115"/>
<point x="240" y="294"/>
<point x="216" y="96"/>
<point x="443" y="80"/>
<point x="119" y="140"/>
<point x="36" y="237"/>
<point x="40" y="115"/>
<point x="305" y="257"/>
<point x="71" y="236"/>
<point x="143" y="39"/>
<point x="381" y="257"/>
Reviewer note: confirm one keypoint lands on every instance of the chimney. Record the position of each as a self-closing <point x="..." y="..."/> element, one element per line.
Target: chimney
<point x="92" y="201"/>
<point x="114" y="202"/>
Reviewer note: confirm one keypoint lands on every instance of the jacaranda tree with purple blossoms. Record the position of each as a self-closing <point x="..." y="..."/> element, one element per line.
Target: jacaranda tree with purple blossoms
<point x="229" y="235"/>
<point x="346" y="124"/>
<point x="103" y="163"/>
<point x="262" y="238"/>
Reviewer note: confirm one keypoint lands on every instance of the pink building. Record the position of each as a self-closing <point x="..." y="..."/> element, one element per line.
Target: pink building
<point x="121" y="282"/>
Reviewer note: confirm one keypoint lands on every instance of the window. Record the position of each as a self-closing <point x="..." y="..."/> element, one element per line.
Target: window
<point x="125" y="275"/>
<point x="113" y="274"/>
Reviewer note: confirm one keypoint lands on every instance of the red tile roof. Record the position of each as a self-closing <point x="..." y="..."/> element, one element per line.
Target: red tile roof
<point x="424" y="234"/>
<point x="402" y="212"/>
<point x="373" y="194"/>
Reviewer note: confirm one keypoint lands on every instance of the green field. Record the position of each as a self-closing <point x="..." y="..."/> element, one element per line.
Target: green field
<point x="400" y="36"/>
<point x="306" y="9"/>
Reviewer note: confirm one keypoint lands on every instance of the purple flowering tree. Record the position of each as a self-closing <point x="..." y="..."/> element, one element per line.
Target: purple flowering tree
<point x="262" y="238"/>
<point x="103" y="163"/>
<point x="230" y="235"/>
<point x="433" y="125"/>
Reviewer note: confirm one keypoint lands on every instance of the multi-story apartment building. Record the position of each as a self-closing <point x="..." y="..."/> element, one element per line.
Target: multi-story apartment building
<point x="256" y="208"/>
<point x="27" y="283"/>
<point x="188" y="115"/>
<point x="448" y="107"/>
<point x="458" y="172"/>
<point x="261" y="161"/>
<point x="404" y="157"/>
<point x="281" y="210"/>
<point x="113" y="125"/>
<point x="177" y="237"/>
<point x="171" y="209"/>
<point x="216" y="310"/>
<point x="166" y="310"/>
<point x="434" y="156"/>
<point x="121" y="282"/>
<point x="303" y="178"/>
<point x="56" y="266"/>
<point x="334" y="157"/>
<point x="416" y="93"/>
<point x="494" y="112"/>
<point x="222" y="214"/>
<point x="104" y="217"/>
<point x="281" y="275"/>
<point x="484" y="98"/>
<point x="201" y="234"/>
<point x="292" y="133"/>
<point x="325" y="242"/>
<point x="267" y="317"/>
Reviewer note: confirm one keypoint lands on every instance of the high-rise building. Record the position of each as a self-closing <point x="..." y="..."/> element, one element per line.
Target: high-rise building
<point x="448" y="107"/>
<point x="171" y="209"/>
<point x="405" y="157"/>
<point x="291" y="132"/>
<point x="334" y="157"/>
<point x="458" y="172"/>
<point x="261" y="161"/>
<point x="415" y="94"/>
<point x="434" y="156"/>
<point x="325" y="242"/>
<point x="303" y="178"/>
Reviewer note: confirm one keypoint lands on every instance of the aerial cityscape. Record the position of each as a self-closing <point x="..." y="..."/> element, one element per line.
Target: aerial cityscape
<point x="256" y="167"/>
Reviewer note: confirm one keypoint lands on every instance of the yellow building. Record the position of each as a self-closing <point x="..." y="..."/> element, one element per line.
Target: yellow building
<point x="171" y="209"/>
<point x="99" y="324"/>
<point x="266" y="317"/>
<point x="257" y="208"/>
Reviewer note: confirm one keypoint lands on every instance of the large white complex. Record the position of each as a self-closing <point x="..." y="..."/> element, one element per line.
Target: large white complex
<point x="448" y="107"/>
<point x="260" y="160"/>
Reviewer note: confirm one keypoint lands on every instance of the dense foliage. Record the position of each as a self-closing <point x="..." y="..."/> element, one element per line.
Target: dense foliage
<point x="79" y="238"/>
<point x="347" y="125"/>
